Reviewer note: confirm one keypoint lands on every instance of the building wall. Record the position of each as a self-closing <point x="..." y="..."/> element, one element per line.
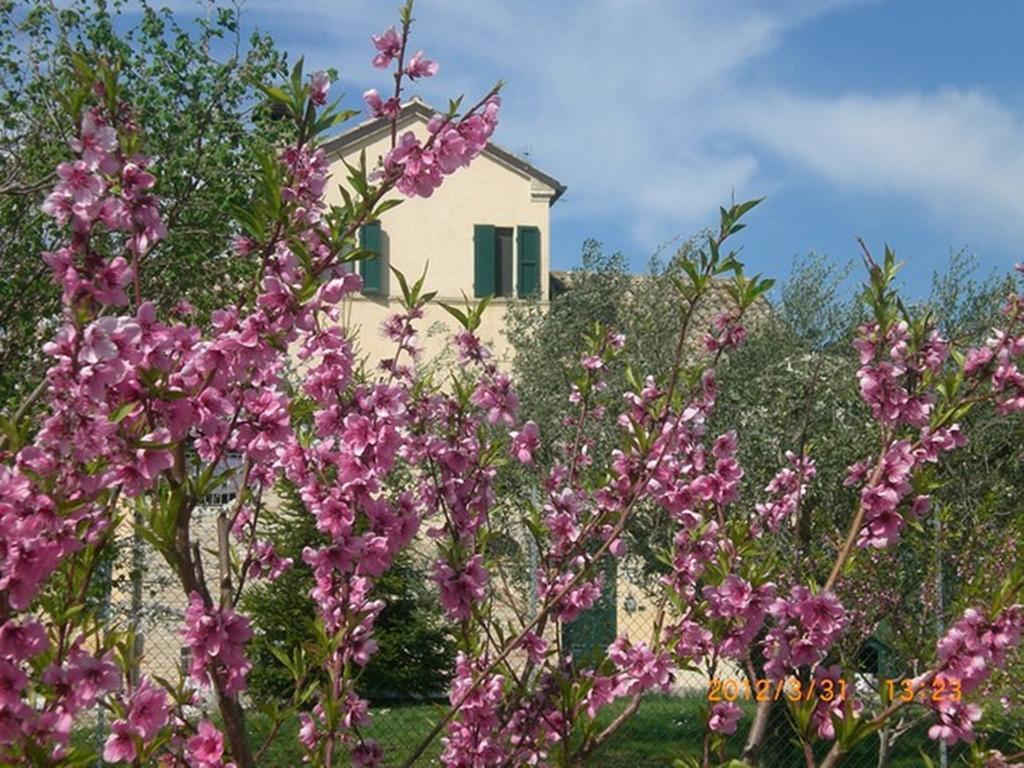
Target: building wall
<point x="436" y="233"/>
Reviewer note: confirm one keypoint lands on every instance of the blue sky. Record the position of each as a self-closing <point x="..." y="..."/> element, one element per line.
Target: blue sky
<point x="902" y="122"/>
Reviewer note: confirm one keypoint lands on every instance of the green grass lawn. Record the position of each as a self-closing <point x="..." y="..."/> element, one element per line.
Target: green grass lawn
<point x="665" y="728"/>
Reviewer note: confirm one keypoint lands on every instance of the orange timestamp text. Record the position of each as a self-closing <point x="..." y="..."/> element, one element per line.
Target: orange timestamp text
<point x="763" y="689"/>
<point x="794" y="689"/>
<point x="939" y="689"/>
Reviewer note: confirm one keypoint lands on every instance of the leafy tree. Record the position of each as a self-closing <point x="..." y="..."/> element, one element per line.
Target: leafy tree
<point x="414" y="658"/>
<point x="192" y="88"/>
<point x="792" y="387"/>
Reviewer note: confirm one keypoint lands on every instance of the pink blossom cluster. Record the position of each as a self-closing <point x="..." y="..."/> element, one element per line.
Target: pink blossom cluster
<point x="568" y="593"/>
<point x="724" y="717"/>
<point x="305" y="182"/>
<point x="463" y="588"/>
<point x="217" y="640"/>
<point x="102" y="186"/>
<point x="474" y="739"/>
<point x="265" y="563"/>
<point x="389" y="109"/>
<point x="129" y="396"/>
<point x="971" y="648"/>
<point x="744" y="607"/>
<point x="786" y="490"/>
<point x="148" y="713"/>
<point x="826" y="707"/>
<point x="354" y="714"/>
<point x="728" y="333"/>
<point x="390" y="46"/>
<point x="691" y="483"/>
<point x="692" y="551"/>
<point x="525" y="442"/>
<point x="206" y="748"/>
<point x="1000" y="356"/>
<point x="806" y="625"/>
<point x="420" y="168"/>
<point x="888" y="484"/>
<point x="54" y="492"/>
<point x="638" y="668"/>
<point x="690" y="640"/>
<point x="74" y="684"/>
<point x="887" y="361"/>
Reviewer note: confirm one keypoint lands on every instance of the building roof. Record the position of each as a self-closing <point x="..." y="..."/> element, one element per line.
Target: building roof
<point x="417" y="108"/>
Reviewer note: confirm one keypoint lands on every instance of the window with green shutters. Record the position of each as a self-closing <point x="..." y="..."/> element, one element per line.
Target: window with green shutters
<point x="493" y="261"/>
<point x="372" y="269"/>
<point x="528" y="246"/>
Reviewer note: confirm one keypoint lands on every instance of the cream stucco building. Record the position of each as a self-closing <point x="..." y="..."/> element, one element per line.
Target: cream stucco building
<point x="486" y="231"/>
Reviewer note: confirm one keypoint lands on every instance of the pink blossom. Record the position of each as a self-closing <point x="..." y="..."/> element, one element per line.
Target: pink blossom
<point x="13" y="682"/>
<point x="826" y="708"/>
<point x="525" y="442"/>
<point x="379" y="107"/>
<point x="22" y="641"/>
<point x="725" y="718"/>
<point x="120" y="744"/>
<point x="319" y="85"/>
<point x="307" y="731"/>
<point x="149" y="710"/>
<point x="216" y="636"/>
<point x="786" y="489"/>
<point x="418" y="172"/>
<point x="206" y="748"/>
<point x="496" y="396"/>
<point x="388" y="45"/>
<point x="367" y="754"/>
<point x="461" y="589"/>
<point x="94" y="676"/>
<point x="601" y="693"/>
<point x="419" y="66"/>
<point x="535" y="647"/>
<point x="955" y="723"/>
<point x="95" y="140"/>
<point x="639" y="668"/>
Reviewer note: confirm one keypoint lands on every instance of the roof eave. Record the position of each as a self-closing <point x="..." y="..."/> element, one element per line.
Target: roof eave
<point x="420" y="109"/>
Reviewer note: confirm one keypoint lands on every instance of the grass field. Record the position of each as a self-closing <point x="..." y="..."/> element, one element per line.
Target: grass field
<point x="665" y="728"/>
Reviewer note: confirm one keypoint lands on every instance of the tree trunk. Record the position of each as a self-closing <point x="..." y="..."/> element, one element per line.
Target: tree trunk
<point x="884" y="747"/>
<point x="234" y="726"/>
<point x="758" y="728"/>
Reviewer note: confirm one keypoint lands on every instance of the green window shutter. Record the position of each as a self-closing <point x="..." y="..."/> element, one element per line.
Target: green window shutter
<point x="485" y="245"/>
<point x="371" y="269"/>
<point x="528" y="246"/>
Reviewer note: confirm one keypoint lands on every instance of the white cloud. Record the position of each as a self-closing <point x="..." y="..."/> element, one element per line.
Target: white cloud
<point x="641" y="106"/>
<point x="615" y="98"/>
<point x="959" y="152"/>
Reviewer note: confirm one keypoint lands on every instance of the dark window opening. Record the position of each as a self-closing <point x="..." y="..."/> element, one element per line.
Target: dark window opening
<point x="503" y="284"/>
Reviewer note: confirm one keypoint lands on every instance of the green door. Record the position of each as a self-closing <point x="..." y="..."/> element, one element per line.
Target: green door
<point x="589" y="636"/>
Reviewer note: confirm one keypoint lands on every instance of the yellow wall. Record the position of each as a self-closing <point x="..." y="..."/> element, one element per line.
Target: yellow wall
<point x="437" y="232"/>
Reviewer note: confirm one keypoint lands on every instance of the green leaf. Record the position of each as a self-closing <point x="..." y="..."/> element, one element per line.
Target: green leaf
<point x="122" y="411"/>
<point x="458" y="314"/>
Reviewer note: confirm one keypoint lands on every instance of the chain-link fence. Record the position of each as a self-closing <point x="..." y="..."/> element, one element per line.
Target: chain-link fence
<point x="145" y="594"/>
